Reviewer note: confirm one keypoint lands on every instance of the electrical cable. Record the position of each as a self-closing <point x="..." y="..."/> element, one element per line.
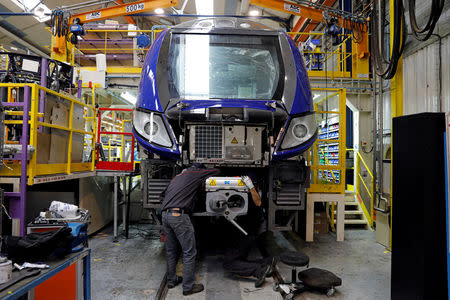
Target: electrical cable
<point x="59" y="25"/>
<point x="423" y="34"/>
<point x="384" y="67"/>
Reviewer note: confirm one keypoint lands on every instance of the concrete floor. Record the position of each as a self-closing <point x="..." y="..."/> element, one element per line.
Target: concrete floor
<point x="133" y="268"/>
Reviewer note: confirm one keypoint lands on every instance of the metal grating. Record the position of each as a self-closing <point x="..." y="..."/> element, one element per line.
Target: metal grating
<point x="208" y="141"/>
<point x="289" y="194"/>
<point x="155" y="188"/>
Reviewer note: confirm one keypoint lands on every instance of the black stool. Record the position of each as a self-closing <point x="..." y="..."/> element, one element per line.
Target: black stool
<point x="294" y="259"/>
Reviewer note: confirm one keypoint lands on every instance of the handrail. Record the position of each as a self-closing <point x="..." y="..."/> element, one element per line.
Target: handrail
<point x="34" y="168"/>
<point x="364" y="163"/>
<point x="369" y="214"/>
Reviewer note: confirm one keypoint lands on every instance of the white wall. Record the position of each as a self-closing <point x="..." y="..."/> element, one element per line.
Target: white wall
<point x="421" y="79"/>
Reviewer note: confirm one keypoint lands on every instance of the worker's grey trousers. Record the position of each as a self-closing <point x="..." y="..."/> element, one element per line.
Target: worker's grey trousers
<point x="179" y="232"/>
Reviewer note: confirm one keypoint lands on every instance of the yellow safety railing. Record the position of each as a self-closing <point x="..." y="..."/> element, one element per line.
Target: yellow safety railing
<point x="35" y="121"/>
<point x="105" y="45"/>
<point x="360" y="167"/>
<point x="338" y="184"/>
<point x="340" y="53"/>
<point x="116" y="142"/>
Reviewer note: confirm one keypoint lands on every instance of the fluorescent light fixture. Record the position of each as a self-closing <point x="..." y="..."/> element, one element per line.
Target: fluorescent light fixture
<point x="204" y="7"/>
<point x="36" y="7"/>
<point x="315" y="96"/>
<point x="254" y="13"/>
<point x="39" y="12"/>
<point x="159" y="11"/>
<point x="129" y="97"/>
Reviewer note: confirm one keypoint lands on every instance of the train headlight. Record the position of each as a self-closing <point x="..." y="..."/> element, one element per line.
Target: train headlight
<point x="152" y="127"/>
<point x="300" y="130"/>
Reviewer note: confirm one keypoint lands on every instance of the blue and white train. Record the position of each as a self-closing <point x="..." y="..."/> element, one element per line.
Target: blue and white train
<point x="234" y="94"/>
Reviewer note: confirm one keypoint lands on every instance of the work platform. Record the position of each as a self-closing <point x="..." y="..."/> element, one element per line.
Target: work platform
<point x="48" y="130"/>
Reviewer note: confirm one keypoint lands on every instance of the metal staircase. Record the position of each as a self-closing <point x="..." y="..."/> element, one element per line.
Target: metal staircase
<point x="354" y="214"/>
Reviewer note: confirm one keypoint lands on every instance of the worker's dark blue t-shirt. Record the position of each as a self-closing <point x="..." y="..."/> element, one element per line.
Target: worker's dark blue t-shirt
<point x="182" y="189"/>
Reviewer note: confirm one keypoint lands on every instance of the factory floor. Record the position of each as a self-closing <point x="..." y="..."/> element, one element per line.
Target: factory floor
<point x="133" y="268"/>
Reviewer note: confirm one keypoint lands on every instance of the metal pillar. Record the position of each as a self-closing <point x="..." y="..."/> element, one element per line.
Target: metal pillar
<point x="17" y="205"/>
<point x="116" y="188"/>
<point x="124" y="201"/>
<point x="79" y="88"/>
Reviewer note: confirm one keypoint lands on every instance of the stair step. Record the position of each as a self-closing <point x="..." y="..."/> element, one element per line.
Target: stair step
<point x="353" y="221"/>
<point x="351" y="203"/>
<point x="351" y="212"/>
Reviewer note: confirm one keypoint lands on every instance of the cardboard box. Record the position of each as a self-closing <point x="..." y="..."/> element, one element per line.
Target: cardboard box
<point x="320" y="222"/>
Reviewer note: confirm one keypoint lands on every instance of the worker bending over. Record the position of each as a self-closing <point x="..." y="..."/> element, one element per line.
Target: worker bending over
<point x="236" y="257"/>
<point x="177" y="205"/>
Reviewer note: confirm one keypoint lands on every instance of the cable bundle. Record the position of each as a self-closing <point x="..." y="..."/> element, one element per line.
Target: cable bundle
<point x="386" y="68"/>
<point x="423" y="34"/>
<point x="59" y="24"/>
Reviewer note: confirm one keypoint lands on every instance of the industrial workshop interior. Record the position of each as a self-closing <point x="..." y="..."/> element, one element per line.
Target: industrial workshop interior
<point x="224" y="149"/>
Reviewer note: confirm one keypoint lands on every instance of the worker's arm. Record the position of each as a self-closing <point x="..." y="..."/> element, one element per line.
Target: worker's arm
<point x="255" y="196"/>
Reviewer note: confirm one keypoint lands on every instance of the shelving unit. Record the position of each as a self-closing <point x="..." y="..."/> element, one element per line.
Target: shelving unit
<point x="328" y="153"/>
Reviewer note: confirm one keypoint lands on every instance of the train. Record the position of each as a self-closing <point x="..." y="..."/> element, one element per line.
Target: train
<point x="233" y="94"/>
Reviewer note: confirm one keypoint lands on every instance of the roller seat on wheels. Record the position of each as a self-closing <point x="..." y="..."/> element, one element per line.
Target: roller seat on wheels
<point x="319" y="279"/>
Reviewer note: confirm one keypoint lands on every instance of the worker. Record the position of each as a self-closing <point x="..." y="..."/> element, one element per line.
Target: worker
<point x="235" y="260"/>
<point x="178" y="201"/>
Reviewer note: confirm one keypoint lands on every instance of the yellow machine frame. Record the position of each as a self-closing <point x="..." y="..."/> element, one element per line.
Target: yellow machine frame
<point x="33" y="168"/>
<point x="337" y="187"/>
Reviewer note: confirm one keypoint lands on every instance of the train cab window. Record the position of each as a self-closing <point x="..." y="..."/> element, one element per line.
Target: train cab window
<point x="220" y="66"/>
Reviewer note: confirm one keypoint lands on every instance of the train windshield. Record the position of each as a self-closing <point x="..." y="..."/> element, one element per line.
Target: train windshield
<point x="224" y="67"/>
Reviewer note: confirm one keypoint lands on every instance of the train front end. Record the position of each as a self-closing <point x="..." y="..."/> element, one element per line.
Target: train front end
<point x="228" y="93"/>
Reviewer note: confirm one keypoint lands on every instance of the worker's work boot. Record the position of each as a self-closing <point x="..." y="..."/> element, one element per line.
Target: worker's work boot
<point x="196" y="288"/>
<point x="177" y="282"/>
<point x="262" y="276"/>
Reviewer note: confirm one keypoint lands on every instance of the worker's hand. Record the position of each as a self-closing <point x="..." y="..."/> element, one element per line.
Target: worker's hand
<point x="248" y="182"/>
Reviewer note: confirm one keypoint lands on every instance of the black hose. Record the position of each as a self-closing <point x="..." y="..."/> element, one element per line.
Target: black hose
<point x="59" y="24"/>
<point x="384" y="67"/>
<point x="423" y="34"/>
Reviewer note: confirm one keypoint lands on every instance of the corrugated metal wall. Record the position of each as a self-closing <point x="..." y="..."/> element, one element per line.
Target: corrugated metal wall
<point x="421" y="79"/>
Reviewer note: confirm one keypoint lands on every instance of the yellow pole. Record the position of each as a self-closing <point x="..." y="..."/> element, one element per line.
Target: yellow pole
<point x="33" y="133"/>
<point x="69" y="151"/>
<point x="342" y="138"/>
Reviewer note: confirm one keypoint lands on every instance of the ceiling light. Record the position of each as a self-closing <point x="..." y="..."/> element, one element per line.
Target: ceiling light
<point x="159" y="11"/>
<point x="129" y="97"/>
<point x="316" y="96"/>
<point x="204" y="7"/>
<point x="254" y="13"/>
<point x="39" y="12"/>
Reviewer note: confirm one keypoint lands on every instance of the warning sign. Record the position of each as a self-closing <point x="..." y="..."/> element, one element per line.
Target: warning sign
<point x="240" y="183"/>
<point x="212" y="182"/>
<point x="234" y="141"/>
